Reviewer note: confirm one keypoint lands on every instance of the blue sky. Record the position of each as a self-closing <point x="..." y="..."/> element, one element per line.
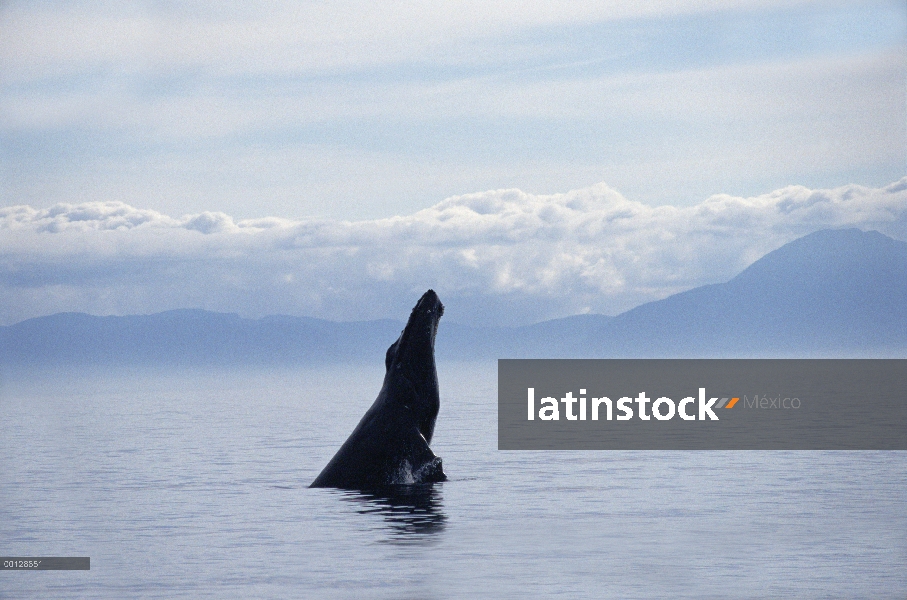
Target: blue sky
<point x="313" y="114"/>
<point x="349" y="111"/>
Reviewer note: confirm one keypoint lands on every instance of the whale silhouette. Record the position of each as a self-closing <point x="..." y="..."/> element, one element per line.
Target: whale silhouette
<point x="390" y="444"/>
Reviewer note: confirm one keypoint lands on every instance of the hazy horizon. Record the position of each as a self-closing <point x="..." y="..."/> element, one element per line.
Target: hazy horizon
<point x="501" y="257"/>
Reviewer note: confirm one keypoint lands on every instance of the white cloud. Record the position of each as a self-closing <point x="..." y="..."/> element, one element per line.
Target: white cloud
<point x="502" y="256"/>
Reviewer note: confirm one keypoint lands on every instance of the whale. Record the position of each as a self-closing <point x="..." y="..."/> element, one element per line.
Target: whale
<point x="390" y="445"/>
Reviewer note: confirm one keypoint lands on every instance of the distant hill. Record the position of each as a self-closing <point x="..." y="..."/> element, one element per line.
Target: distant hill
<point x="549" y="339"/>
<point x="830" y="293"/>
<point x="191" y="337"/>
<point x="197" y="337"/>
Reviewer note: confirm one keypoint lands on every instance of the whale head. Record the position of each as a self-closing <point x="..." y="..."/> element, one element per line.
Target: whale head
<point x="412" y="357"/>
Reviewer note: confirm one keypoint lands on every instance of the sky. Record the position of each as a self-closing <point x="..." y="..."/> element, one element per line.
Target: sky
<point x="528" y="159"/>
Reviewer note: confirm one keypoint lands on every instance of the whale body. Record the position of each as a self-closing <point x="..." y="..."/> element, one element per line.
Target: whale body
<point x="390" y="445"/>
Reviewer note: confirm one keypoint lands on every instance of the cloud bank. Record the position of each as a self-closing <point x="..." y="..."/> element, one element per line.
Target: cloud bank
<point x="496" y="257"/>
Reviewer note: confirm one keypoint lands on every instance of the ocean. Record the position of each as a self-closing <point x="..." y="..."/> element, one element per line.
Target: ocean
<point x="193" y="483"/>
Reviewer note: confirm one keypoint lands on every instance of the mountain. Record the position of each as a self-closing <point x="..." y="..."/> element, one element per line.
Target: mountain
<point x="197" y="337"/>
<point x="830" y="293"/>
<point x="549" y="339"/>
<point x="191" y="337"/>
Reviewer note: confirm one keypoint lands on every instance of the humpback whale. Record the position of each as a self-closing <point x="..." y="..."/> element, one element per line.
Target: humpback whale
<point x="389" y="446"/>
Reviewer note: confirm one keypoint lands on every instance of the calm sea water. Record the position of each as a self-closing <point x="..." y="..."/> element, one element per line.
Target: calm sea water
<point x="193" y="484"/>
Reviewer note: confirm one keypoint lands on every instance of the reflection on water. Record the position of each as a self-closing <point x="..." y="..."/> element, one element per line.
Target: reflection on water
<point x="413" y="513"/>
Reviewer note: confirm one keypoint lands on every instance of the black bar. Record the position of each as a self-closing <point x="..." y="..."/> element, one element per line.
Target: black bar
<point x="45" y="563"/>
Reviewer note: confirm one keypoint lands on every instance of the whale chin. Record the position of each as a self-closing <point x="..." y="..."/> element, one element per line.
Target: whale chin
<point x="430" y="472"/>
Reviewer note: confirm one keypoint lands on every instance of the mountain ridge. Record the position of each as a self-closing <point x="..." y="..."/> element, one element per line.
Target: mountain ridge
<point x="841" y="290"/>
<point x="830" y="293"/>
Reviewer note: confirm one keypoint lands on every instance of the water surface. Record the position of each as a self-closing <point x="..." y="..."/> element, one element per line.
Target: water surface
<point x="194" y="484"/>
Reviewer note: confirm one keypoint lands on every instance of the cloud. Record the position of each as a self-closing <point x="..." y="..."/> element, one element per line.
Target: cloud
<point x="502" y="256"/>
<point x="361" y="110"/>
<point x="285" y="36"/>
